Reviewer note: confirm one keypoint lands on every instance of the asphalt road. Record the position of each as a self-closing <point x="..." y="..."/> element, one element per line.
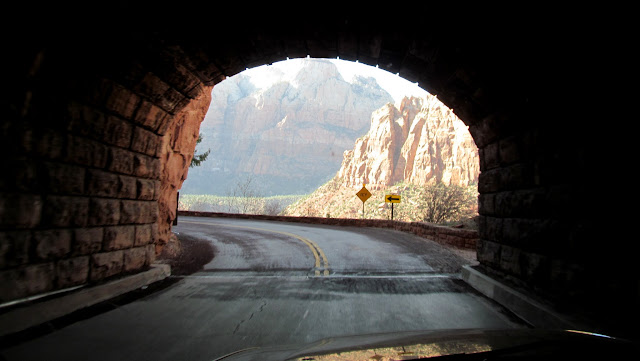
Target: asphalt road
<point x="276" y="283"/>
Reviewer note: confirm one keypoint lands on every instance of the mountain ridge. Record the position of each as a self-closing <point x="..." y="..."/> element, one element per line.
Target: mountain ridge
<point x="290" y="135"/>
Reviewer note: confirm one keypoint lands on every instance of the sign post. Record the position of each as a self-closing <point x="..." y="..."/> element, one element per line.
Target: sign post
<point x="392" y="198"/>
<point x="363" y="194"/>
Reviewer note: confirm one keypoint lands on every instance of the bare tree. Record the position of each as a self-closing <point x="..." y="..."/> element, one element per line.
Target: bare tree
<point x="244" y="198"/>
<point x="272" y="207"/>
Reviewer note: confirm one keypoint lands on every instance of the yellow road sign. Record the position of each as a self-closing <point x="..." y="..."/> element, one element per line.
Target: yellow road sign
<point x="392" y="198"/>
<point x="363" y="194"/>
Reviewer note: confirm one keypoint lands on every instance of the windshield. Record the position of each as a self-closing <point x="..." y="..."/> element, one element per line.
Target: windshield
<point x="251" y="185"/>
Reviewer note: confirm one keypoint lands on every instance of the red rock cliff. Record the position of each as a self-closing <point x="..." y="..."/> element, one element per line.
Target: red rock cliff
<point x="421" y="142"/>
<point x="178" y="146"/>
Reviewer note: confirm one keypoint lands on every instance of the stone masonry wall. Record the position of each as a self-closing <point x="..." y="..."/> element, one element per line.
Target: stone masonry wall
<point x="79" y="193"/>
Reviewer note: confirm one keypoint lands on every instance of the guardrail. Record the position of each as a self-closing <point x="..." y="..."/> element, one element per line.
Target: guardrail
<point x="455" y="237"/>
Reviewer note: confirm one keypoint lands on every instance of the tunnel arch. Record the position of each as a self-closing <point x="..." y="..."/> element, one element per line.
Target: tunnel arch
<point x="85" y="127"/>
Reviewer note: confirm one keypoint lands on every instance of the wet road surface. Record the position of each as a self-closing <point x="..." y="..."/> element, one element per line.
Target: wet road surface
<point x="277" y="283"/>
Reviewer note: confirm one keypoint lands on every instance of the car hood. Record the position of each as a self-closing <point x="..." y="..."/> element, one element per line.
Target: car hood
<point x="456" y="344"/>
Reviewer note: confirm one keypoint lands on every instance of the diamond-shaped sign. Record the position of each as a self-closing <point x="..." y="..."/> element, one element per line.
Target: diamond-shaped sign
<point x="363" y="194"/>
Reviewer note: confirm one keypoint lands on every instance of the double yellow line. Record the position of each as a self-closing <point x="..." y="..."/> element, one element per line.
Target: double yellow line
<point x="318" y="254"/>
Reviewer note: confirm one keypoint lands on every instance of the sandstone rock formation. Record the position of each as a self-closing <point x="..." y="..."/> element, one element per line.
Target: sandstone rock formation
<point x="289" y="135"/>
<point x="420" y="142"/>
<point x="175" y="157"/>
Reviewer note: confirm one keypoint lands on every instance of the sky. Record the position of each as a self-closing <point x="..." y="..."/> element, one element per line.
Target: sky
<point x="392" y="83"/>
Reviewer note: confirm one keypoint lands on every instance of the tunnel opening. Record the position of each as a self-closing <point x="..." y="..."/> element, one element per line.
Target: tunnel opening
<point x="278" y="133"/>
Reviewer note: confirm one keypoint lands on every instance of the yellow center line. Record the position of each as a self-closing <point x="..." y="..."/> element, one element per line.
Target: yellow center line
<point x="318" y="254"/>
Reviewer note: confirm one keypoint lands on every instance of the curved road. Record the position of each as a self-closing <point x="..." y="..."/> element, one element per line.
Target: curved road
<point x="320" y="250"/>
<point x="277" y="283"/>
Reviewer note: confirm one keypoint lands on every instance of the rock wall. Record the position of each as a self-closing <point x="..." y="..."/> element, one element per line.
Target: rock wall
<point x="420" y="142"/>
<point x="177" y="149"/>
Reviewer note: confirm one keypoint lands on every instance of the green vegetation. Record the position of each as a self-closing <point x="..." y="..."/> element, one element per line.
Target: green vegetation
<point x="437" y="203"/>
<point x="199" y="158"/>
<point x="273" y="205"/>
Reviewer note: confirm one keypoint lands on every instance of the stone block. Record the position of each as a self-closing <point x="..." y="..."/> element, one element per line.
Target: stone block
<point x="489" y="181"/>
<point x="488" y="252"/>
<point x="146" y="167"/>
<point x="516" y="176"/>
<point x="20" y="175"/>
<point x="164" y="126"/>
<point x="87" y="240"/>
<point x="156" y="189"/>
<point x="152" y="87"/>
<point x="491" y="158"/>
<point x="121" y="100"/>
<point x="20" y="210"/>
<point x="490" y="228"/>
<point x="181" y="103"/>
<point x="63" y="179"/>
<point x="489" y="129"/>
<point x="151" y="116"/>
<point x="101" y="183"/>
<point x="86" y="152"/>
<point x="194" y="91"/>
<point x="522" y="203"/>
<point x="154" y="231"/>
<point x="127" y="187"/>
<point x="151" y="254"/>
<point x="85" y="120"/>
<point x="145" y="189"/>
<point x="172" y="100"/>
<point x="509" y="150"/>
<point x="149" y="213"/>
<point x="523" y="232"/>
<point x="52" y="244"/>
<point x="510" y="260"/>
<point x="103" y="265"/>
<point x="72" y="271"/>
<point x="135" y="259"/>
<point x="14" y="248"/>
<point x="48" y="143"/>
<point x="182" y="79"/>
<point x="26" y="281"/>
<point x="118" y="132"/>
<point x="103" y="211"/>
<point x="143" y="235"/>
<point x="120" y="161"/>
<point x="63" y="211"/>
<point x="130" y="212"/>
<point x="118" y="237"/>
<point x="145" y="141"/>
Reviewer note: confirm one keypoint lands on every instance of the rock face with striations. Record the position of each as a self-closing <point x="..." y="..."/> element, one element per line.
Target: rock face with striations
<point x="177" y="149"/>
<point x="290" y="135"/>
<point x="420" y="142"/>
